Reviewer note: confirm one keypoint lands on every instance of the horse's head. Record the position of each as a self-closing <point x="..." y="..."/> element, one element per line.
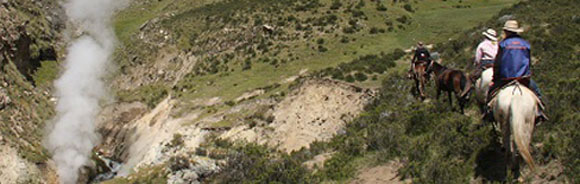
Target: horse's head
<point x="434" y="66"/>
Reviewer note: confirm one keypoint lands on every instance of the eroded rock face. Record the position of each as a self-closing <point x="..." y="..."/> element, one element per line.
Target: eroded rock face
<point x="140" y="138"/>
<point x="26" y="42"/>
<point x="29" y="34"/>
<point x="317" y="110"/>
<point x="114" y="126"/>
<point x="14" y="169"/>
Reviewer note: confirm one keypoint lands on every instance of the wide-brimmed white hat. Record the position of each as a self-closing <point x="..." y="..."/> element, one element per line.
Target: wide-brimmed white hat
<point x="512" y="26"/>
<point x="490" y="34"/>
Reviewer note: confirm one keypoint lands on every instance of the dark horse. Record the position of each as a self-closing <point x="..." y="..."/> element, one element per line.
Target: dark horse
<point x="452" y="81"/>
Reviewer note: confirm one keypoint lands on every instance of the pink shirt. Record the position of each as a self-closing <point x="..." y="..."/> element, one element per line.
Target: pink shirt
<point x="486" y="50"/>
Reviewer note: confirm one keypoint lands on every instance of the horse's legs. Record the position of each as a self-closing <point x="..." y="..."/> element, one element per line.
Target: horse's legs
<point x="461" y="105"/>
<point x="438" y="92"/>
<point x="450" y="100"/>
<point x="422" y="86"/>
<point x="417" y="86"/>
<point x="507" y="146"/>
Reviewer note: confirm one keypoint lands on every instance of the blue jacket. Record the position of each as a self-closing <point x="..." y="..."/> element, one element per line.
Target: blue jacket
<point x="513" y="59"/>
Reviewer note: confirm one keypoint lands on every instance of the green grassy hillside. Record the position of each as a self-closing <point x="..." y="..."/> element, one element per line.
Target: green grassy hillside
<point x="440" y="146"/>
<point x="29" y="48"/>
<point x="237" y="56"/>
<point x="437" y="145"/>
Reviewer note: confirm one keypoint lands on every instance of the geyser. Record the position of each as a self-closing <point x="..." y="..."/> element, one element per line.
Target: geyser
<point x="79" y="89"/>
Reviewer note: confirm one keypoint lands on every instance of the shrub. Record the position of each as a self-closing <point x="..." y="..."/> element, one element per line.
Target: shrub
<point x="381" y="6"/>
<point x="374" y="30"/>
<point x="403" y="19"/>
<point x="409" y="8"/>
<point x="344" y="39"/>
<point x="321" y="48"/>
<point x="336" y="4"/>
<point x="247" y="65"/>
<point x="349" y="30"/>
<point x="349" y="78"/>
<point x="252" y="163"/>
<point x="360" y="77"/>
<point x="360" y="4"/>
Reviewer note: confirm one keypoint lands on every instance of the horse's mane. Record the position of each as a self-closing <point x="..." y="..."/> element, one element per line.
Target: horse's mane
<point x="437" y="68"/>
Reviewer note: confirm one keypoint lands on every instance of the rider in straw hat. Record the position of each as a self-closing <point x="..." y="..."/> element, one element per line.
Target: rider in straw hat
<point x="485" y="52"/>
<point x="512" y="62"/>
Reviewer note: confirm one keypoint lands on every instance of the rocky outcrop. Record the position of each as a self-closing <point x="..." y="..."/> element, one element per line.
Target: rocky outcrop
<point x="29" y="34"/>
<point x="14" y="169"/>
<point x="4" y="99"/>
<point x="28" y="40"/>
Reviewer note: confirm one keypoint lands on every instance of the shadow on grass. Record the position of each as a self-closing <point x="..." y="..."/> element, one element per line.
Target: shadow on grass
<point x="491" y="164"/>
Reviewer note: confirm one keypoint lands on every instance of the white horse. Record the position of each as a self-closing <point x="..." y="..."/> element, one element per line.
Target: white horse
<point x="515" y="108"/>
<point x="482" y="87"/>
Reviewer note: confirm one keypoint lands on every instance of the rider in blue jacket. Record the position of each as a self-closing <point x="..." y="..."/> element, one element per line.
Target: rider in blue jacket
<point x="512" y="62"/>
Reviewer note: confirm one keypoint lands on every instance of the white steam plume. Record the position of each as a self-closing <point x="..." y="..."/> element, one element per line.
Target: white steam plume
<point x="81" y="86"/>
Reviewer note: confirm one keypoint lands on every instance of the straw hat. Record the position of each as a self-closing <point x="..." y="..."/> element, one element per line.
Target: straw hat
<point x="490" y="34"/>
<point x="512" y="26"/>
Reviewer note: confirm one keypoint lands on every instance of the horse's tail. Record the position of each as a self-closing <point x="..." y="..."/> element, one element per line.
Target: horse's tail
<point x="522" y="124"/>
<point x="467" y="86"/>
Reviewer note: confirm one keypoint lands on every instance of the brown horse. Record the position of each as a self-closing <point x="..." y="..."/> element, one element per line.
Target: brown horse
<point x="452" y="81"/>
<point x="420" y="77"/>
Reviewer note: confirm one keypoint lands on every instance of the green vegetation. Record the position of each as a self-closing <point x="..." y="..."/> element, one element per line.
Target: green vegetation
<point x="440" y="146"/>
<point x="335" y="32"/>
<point x="150" y="175"/>
<point x="437" y="145"/>
<point x="251" y="163"/>
<point x="151" y="94"/>
<point x="46" y="74"/>
<point x="22" y="121"/>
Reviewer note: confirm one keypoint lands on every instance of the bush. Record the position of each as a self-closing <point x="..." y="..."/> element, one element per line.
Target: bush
<point x="252" y="163"/>
<point x="409" y="8"/>
<point x="349" y="30"/>
<point x="360" y="77"/>
<point x="403" y="19"/>
<point x="349" y="78"/>
<point x="374" y="30"/>
<point x="344" y="39"/>
<point x="360" y="4"/>
<point x="247" y="65"/>
<point x="321" y="48"/>
<point x="336" y="4"/>
<point x="381" y="6"/>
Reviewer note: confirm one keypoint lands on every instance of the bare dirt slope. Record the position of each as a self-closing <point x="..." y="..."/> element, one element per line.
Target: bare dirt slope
<point x="317" y="110"/>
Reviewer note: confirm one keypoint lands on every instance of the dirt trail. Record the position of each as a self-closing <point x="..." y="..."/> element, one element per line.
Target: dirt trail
<point x="380" y="174"/>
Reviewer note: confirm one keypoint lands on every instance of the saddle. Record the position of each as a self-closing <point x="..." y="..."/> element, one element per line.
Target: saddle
<point x="421" y="62"/>
<point x="519" y="83"/>
<point x="485" y="67"/>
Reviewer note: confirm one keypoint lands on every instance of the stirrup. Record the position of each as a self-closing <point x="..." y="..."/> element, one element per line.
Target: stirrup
<point x="488" y="117"/>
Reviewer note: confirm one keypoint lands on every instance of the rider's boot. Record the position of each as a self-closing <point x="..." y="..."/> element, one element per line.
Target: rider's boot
<point x="488" y="114"/>
<point x="475" y="75"/>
